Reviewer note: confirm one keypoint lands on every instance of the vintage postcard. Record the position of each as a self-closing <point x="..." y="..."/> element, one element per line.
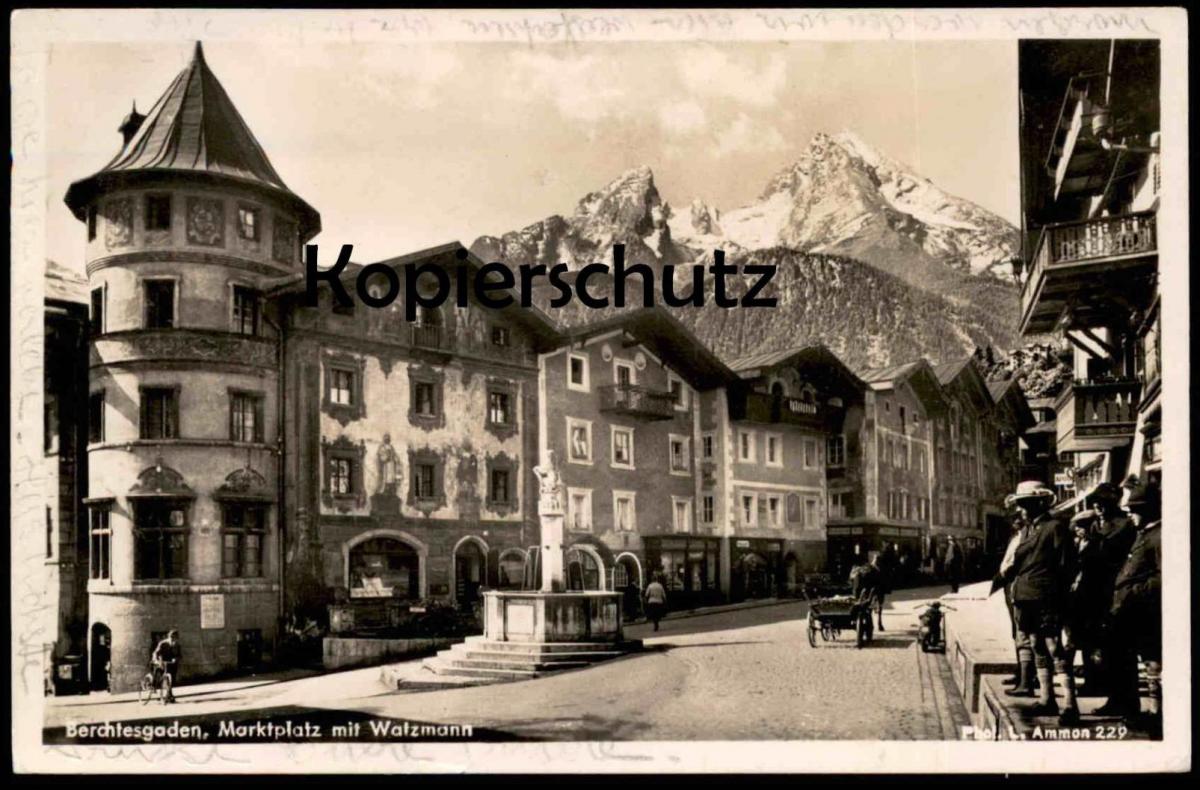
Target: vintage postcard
<point x="600" y="391"/>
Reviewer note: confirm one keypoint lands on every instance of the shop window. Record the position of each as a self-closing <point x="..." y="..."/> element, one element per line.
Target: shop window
<point x="245" y="416"/>
<point x="243" y="533"/>
<point x="160" y="538"/>
<point x="159" y="417"/>
<point x="159" y="296"/>
<point x="384" y="568"/>
<point x="100" y="544"/>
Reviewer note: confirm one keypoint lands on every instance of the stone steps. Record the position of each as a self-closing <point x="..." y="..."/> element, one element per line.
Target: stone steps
<point x="480" y="658"/>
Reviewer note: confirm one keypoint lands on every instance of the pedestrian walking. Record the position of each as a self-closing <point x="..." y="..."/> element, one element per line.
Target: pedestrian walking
<point x="953" y="563"/>
<point x="1045" y="566"/>
<point x="1136" y="613"/>
<point x="656" y="600"/>
<point x="867" y="585"/>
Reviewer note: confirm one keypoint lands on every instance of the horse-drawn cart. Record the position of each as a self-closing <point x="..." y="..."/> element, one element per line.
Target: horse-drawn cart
<point x="830" y="616"/>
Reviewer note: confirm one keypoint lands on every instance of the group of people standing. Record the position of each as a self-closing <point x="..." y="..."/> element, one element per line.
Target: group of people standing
<point x="1087" y="586"/>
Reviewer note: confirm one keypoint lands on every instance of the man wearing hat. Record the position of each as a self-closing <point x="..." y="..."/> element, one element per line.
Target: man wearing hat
<point x="1004" y="579"/>
<point x="1044" y="565"/>
<point x="1114" y="535"/>
<point x="1089" y="598"/>
<point x="1136" y="613"/>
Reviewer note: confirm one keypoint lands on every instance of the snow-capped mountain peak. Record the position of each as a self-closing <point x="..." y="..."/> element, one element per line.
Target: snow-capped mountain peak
<point x="845" y="196"/>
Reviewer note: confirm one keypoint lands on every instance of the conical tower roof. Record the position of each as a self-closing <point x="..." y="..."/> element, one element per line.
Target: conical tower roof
<point x="192" y="128"/>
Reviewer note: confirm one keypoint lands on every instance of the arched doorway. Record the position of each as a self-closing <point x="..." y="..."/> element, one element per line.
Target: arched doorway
<point x="470" y="570"/>
<point x="510" y="570"/>
<point x="754" y="576"/>
<point x="383" y="567"/>
<point x="100" y="654"/>
<point x="585" y="569"/>
<point x="627" y="580"/>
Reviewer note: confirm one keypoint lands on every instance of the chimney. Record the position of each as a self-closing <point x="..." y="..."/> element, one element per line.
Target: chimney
<point x="129" y="127"/>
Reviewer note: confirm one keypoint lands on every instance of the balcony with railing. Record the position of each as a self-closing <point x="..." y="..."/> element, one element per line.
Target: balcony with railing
<point x="1097" y="415"/>
<point x="1070" y="264"/>
<point x="637" y="401"/>
<point x="765" y="408"/>
<point x="431" y="337"/>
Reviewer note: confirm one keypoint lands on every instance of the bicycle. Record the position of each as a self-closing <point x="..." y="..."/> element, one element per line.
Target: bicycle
<point x="148" y="689"/>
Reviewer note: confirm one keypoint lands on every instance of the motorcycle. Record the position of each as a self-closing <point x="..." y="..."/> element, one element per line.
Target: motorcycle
<point x="930" y="635"/>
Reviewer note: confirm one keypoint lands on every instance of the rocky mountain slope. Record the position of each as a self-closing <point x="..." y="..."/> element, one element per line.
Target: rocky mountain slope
<point x="860" y="241"/>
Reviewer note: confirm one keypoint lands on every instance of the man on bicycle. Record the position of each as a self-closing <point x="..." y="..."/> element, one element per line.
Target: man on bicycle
<point x="165" y="659"/>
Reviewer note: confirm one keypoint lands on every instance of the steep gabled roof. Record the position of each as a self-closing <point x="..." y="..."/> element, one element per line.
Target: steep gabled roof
<point x="965" y="374"/>
<point x="667" y="337"/>
<point x="193" y="128"/>
<point x="816" y="354"/>
<point x="1008" y="391"/>
<point x="920" y="375"/>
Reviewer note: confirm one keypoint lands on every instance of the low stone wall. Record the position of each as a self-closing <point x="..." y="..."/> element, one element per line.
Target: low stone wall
<point x="345" y="652"/>
<point x="978" y="640"/>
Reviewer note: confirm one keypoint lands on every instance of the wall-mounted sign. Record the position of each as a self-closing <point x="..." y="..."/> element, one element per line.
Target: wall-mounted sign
<point x="212" y="611"/>
<point x="743" y="544"/>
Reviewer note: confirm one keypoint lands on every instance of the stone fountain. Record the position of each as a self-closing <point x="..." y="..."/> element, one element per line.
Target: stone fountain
<point x="531" y="632"/>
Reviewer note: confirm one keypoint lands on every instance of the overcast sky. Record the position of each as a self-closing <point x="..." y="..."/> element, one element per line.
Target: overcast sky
<point x="403" y="147"/>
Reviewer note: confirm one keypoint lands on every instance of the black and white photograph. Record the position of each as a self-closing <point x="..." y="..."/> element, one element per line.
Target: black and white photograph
<point x="683" y="390"/>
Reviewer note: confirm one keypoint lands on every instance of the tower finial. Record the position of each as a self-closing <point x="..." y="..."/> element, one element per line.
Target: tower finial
<point x="199" y="53"/>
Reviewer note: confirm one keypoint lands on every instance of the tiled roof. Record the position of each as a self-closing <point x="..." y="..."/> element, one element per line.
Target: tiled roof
<point x="948" y="370"/>
<point x="764" y="359"/>
<point x="194" y="128"/>
<point x="888" y="374"/>
<point x="998" y="388"/>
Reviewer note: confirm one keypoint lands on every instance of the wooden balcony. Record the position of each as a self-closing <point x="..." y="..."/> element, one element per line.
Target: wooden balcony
<point x="1097" y="415"/>
<point x="770" y="409"/>
<point x="431" y="339"/>
<point x="1088" y="268"/>
<point x="637" y="401"/>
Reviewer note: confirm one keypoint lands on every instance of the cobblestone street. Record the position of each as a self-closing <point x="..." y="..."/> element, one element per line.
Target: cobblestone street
<point x="745" y="674"/>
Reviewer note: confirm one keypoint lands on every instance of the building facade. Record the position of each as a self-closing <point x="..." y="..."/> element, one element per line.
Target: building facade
<point x="409" y="448"/>
<point x="889" y="440"/>
<point x="185" y="226"/>
<point x="620" y="408"/>
<point x="65" y="431"/>
<point x="1091" y="180"/>
<point x="785" y="434"/>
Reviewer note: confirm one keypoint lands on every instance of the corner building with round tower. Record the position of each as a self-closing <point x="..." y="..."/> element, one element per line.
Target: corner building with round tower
<point x="185" y="227"/>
